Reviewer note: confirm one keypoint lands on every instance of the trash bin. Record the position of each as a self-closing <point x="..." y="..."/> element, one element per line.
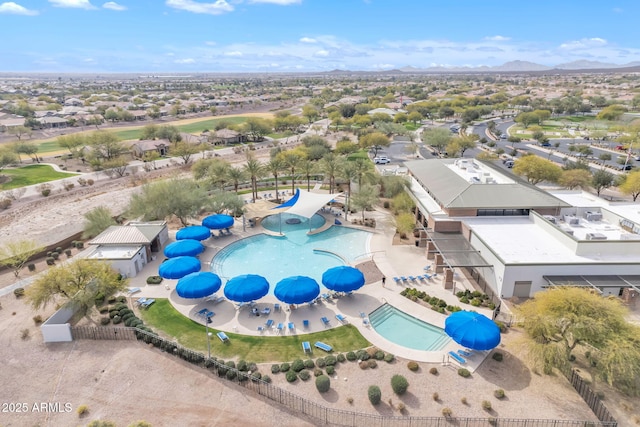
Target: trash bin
<point x="417" y="243"/>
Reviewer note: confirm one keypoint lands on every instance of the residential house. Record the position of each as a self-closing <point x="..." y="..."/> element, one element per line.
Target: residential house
<point x="140" y="148"/>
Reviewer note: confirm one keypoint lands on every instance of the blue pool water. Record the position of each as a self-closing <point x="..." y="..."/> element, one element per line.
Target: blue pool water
<point x="407" y="331"/>
<point x="295" y="253"/>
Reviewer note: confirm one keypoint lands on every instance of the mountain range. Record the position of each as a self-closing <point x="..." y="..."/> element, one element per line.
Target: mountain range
<point x="523" y="66"/>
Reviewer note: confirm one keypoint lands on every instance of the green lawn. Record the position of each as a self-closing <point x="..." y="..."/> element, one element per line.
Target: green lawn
<point x="209" y="124"/>
<point x="162" y="316"/>
<point x="411" y="126"/>
<point x="49" y="147"/>
<point x="360" y="154"/>
<point x="131" y="134"/>
<point x="33" y="174"/>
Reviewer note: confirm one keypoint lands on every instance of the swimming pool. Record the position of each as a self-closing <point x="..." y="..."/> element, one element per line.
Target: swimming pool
<point x="407" y="331"/>
<point x="295" y="253"/>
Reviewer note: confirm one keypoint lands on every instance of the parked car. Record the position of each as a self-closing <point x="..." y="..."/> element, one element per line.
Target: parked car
<point x="381" y="160"/>
<point x="545" y="144"/>
<point x="509" y="163"/>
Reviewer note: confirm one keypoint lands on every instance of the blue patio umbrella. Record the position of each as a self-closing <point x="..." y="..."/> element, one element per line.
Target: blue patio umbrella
<point x="472" y="330"/>
<point x="185" y="247"/>
<point x="198" y="285"/>
<point x="245" y="288"/>
<point x="195" y="232"/>
<point x="218" y="221"/>
<point x="297" y="290"/>
<point x="343" y="279"/>
<point x="178" y="267"/>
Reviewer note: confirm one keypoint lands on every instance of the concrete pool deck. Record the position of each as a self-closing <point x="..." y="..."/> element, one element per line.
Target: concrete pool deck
<point x="391" y="260"/>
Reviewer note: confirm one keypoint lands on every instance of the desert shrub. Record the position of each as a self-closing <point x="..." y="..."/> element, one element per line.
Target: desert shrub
<point x="31" y="267"/>
<point x="5" y="203"/>
<point x="120" y="306"/>
<point x="231" y="374"/>
<point x="389" y="357"/>
<point x="399" y="384"/>
<point x="117" y="320"/>
<point x="154" y="280"/>
<point x="433" y="371"/>
<point x="67" y="252"/>
<point x="323" y="383"/>
<point x="331" y="370"/>
<point x="363" y="365"/>
<point x="362" y="355"/>
<point x="113" y="313"/>
<point x="231" y="364"/>
<point x="351" y="356"/>
<point x="275" y="369"/>
<point x="435" y="396"/>
<point x="24" y="333"/>
<point x="304" y="375"/>
<point x="501" y="325"/>
<point x="103" y="310"/>
<point x="341" y="358"/>
<point x="463" y="400"/>
<point x="486" y="405"/>
<point x="122" y="299"/>
<point x="497" y="356"/>
<point x="401" y="407"/>
<point x="372" y="363"/>
<point x="379" y="355"/>
<point x="90" y="181"/>
<point x="297" y="365"/>
<point x="447" y="412"/>
<point x="291" y="376"/>
<point x="55" y="255"/>
<point x="82" y="410"/>
<point x="463" y="372"/>
<point x="330" y="360"/>
<point x="256" y="376"/>
<point x="266" y="379"/>
<point x="50" y="261"/>
<point x="413" y="366"/>
<point x="284" y="367"/>
<point x="375" y="395"/>
<point x="320" y="363"/>
<point x="18" y="292"/>
<point x="309" y="364"/>
<point x="37" y="319"/>
<point x="111" y="299"/>
<point x="317" y="372"/>
<point x="499" y="393"/>
<point x="79" y="245"/>
<point x="493" y="421"/>
<point x="350" y="400"/>
<point x="105" y="320"/>
<point x="243" y="366"/>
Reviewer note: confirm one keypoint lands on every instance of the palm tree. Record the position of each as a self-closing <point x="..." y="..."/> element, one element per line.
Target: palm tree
<point x="308" y="168"/>
<point x="348" y="171"/>
<point x="291" y="160"/>
<point x="364" y="171"/>
<point x="329" y="165"/>
<point x="255" y="170"/>
<point x="275" y="166"/>
<point x="236" y="176"/>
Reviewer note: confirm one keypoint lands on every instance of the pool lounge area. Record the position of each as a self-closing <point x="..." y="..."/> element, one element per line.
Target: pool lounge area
<point x="402" y="260"/>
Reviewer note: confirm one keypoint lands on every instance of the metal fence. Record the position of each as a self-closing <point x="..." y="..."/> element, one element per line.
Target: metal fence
<point x="319" y="413"/>
<point x="590" y="397"/>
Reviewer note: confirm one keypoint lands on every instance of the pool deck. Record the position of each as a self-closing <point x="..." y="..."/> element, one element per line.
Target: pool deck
<point x="393" y="261"/>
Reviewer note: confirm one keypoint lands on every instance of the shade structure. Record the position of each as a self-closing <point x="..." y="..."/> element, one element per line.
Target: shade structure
<point x="195" y="232"/>
<point x="297" y="290"/>
<point x="245" y="288"/>
<point x="187" y="247"/>
<point x="198" y="285"/>
<point x="218" y="221"/>
<point x="178" y="267"/>
<point x="343" y="278"/>
<point x="472" y="330"/>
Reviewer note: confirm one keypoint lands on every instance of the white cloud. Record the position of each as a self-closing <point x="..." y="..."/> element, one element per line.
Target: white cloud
<point x="15" y="9"/>
<point x="217" y="8"/>
<point x="307" y="40"/>
<point x="114" y="6"/>
<point x="583" y="43"/>
<point x="322" y="52"/>
<point x="210" y="43"/>
<point x="498" y="38"/>
<point x="185" y="61"/>
<point x="77" y="4"/>
<point x="279" y="2"/>
<point x="233" y="53"/>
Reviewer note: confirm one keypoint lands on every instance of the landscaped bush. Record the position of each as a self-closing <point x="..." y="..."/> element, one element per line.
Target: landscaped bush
<point x="379" y="355"/>
<point x="242" y="366"/>
<point x="67" y="252"/>
<point x="389" y="357"/>
<point x="351" y="356"/>
<point x="372" y="363"/>
<point x="320" y="363"/>
<point x="486" y="405"/>
<point x="433" y="371"/>
<point x="275" y="369"/>
<point x="499" y="393"/>
<point x="413" y="366"/>
<point x="222" y="369"/>
<point x="399" y="384"/>
<point x="125" y="311"/>
<point x="331" y="370"/>
<point x="231" y="374"/>
<point x="256" y="376"/>
<point x="447" y="412"/>
<point x="363" y="365"/>
<point x="82" y="410"/>
<point x="154" y="280"/>
<point x="266" y="379"/>
<point x="309" y="364"/>
<point x="304" y="375"/>
<point x="18" y="292"/>
<point x="105" y="321"/>
<point x="375" y="395"/>
<point x="341" y="358"/>
<point x="501" y="325"/>
<point x="330" y="360"/>
<point x="37" y="319"/>
<point x="291" y="376"/>
<point x="362" y="355"/>
<point x="31" y="267"/>
<point x="55" y="255"/>
<point x="463" y="372"/>
<point x="284" y="367"/>
<point x="50" y="261"/>
<point x="435" y="396"/>
<point x="317" y="372"/>
<point x="117" y="320"/>
<point x="297" y="365"/>
<point x="497" y="356"/>
<point x="323" y="383"/>
<point x="122" y="299"/>
<point x="120" y="306"/>
<point x="231" y="364"/>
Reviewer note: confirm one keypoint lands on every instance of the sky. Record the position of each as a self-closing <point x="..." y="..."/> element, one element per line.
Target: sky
<point x="309" y="35"/>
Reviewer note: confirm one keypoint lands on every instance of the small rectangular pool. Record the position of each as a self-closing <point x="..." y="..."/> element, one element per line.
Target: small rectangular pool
<point x="406" y="330"/>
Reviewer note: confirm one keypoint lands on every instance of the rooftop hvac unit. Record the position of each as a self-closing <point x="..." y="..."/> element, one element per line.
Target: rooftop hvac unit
<point x="550" y="218"/>
<point x="596" y="236"/>
<point x="567" y="230"/>
<point x="593" y="216"/>
<point x="571" y="220"/>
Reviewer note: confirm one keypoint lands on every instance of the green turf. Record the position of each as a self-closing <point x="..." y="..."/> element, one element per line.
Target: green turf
<point x="411" y="126"/>
<point x="161" y="316"/>
<point x="49" y="147"/>
<point x="360" y="154"/>
<point x="131" y="134"/>
<point x="209" y="124"/>
<point x="33" y="174"/>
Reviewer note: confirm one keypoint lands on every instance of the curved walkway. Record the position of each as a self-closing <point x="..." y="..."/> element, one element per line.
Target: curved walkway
<point x="392" y="261"/>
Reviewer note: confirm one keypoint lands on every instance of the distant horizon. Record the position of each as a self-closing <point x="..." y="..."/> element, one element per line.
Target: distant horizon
<point x="307" y="36"/>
